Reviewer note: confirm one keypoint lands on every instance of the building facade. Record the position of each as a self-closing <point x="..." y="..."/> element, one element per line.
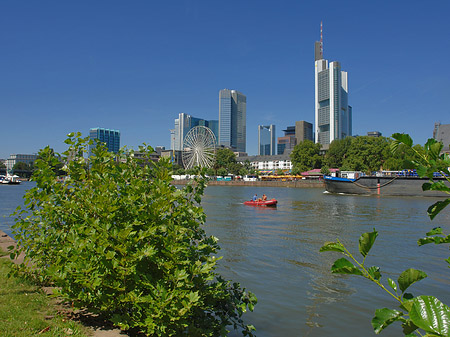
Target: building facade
<point x="268" y="163"/>
<point x="19" y="158"/>
<point x="232" y="119"/>
<point x="183" y="124"/>
<point x="441" y="133"/>
<point x="266" y="140"/>
<point x="303" y="131"/>
<point x="333" y="115"/>
<point x="111" y="138"/>
<point x="288" y="141"/>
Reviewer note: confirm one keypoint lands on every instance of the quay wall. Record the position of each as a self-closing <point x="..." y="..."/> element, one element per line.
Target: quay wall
<point x="292" y="184"/>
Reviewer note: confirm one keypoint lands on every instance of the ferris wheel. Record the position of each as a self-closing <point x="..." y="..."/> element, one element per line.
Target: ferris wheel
<point x="199" y="147"/>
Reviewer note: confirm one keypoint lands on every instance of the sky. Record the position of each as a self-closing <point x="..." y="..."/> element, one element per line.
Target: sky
<point x="134" y="65"/>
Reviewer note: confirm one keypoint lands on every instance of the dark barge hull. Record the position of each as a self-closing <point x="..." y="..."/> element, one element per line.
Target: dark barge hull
<point x="394" y="186"/>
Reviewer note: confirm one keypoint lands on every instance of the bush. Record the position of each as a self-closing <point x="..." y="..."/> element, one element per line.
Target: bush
<point x="118" y="239"/>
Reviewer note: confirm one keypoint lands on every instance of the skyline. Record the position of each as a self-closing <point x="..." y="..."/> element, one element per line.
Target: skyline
<point x="75" y="66"/>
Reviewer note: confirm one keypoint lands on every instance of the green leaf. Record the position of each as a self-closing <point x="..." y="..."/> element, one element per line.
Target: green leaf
<point x="392" y="284"/>
<point x="403" y="138"/>
<point x="384" y="317"/>
<point x="435" y="231"/>
<point x="344" y="266"/>
<point x="431" y="315"/>
<point x="366" y="242"/>
<point x="409" y="277"/>
<point x="409" y="327"/>
<point x="374" y="272"/>
<point x="435" y="209"/>
<point x="332" y="246"/>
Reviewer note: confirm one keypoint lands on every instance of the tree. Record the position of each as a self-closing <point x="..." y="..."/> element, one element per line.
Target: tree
<point x="337" y="152"/>
<point x="366" y="154"/>
<point x="226" y="159"/>
<point x="425" y="315"/>
<point x="305" y="156"/>
<point x="117" y="238"/>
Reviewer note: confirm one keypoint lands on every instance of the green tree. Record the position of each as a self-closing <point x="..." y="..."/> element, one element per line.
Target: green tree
<point x="225" y="158"/>
<point x="366" y="154"/>
<point x="424" y="315"/>
<point x="118" y="239"/>
<point x="306" y="156"/>
<point x="337" y="152"/>
<point x="21" y="166"/>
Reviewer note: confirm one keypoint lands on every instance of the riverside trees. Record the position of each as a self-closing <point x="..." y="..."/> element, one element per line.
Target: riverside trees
<point x="118" y="239"/>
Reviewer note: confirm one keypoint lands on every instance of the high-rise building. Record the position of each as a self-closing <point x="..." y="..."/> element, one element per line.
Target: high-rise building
<point x="288" y="141"/>
<point x="266" y="140"/>
<point x="303" y="131"/>
<point x="111" y="138"/>
<point x="232" y="119"/>
<point x="333" y="115"/>
<point x="183" y="124"/>
<point x="441" y="133"/>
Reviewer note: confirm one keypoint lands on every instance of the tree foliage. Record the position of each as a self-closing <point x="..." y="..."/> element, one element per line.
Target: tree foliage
<point x="118" y="239"/>
<point x="226" y="159"/>
<point x="306" y="156"/>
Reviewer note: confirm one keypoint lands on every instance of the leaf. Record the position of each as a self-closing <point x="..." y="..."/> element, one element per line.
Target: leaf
<point x="344" y="266"/>
<point x="384" y="317"/>
<point x="366" y="242"/>
<point x="374" y="272"/>
<point x="431" y="315"/>
<point x="409" y="277"/>
<point x="434" y="209"/>
<point x="409" y="327"/>
<point x="392" y="284"/>
<point x="435" y="231"/>
<point x="403" y="138"/>
<point x="332" y="246"/>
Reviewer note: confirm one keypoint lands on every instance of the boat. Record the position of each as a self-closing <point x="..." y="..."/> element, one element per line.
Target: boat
<point x="392" y="184"/>
<point x="266" y="203"/>
<point x="9" y="180"/>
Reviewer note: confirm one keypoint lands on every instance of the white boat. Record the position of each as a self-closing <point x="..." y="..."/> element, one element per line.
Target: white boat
<point x="10" y="179"/>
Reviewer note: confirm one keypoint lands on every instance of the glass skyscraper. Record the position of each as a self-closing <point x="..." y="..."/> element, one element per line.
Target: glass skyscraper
<point x="333" y="115"/>
<point x="183" y="124"/>
<point x="266" y="140"/>
<point x="110" y="137"/>
<point x="232" y="119"/>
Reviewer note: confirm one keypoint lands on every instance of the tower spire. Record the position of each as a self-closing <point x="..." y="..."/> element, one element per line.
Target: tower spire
<point x="321" y="40"/>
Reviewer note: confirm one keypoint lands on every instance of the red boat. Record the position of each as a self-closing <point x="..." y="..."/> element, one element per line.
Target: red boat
<point x="272" y="203"/>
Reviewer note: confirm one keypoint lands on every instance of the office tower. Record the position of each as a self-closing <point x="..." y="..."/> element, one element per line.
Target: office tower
<point x="441" y="133"/>
<point x="183" y="124"/>
<point x="111" y="138"/>
<point x="288" y="141"/>
<point x="374" y="134"/>
<point x="266" y="140"/>
<point x="303" y="131"/>
<point x="333" y="115"/>
<point x="232" y="119"/>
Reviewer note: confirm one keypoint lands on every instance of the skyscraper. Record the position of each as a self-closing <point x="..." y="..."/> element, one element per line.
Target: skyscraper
<point x="232" y="119"/>
<point x="333" y="115"/>
<point x="303" y="131"/>
<point x="110" y="137"/>
<point x="183" y="124"/>
<point x="266" y="140"/>
<point x="288" y="141"/>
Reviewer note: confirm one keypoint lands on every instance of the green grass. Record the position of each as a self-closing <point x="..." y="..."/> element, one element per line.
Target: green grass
<point x="24" y="308"/>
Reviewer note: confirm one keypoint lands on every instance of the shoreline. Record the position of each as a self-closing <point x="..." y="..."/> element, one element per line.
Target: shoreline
<point x="290" y="184"/>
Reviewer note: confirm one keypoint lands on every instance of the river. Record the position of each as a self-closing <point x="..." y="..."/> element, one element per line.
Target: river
<point x="275" y="254"/>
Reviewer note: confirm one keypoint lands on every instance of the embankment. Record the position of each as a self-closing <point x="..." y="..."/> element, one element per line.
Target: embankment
<point x="293" y="184"/>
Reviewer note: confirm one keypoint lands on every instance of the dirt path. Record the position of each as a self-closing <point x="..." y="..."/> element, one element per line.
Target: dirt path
<point x="98" y="328"/>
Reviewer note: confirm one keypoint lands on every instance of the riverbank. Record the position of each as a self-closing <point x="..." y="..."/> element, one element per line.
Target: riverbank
<point x="304" y="183"/>
<point x="47" y="317"/>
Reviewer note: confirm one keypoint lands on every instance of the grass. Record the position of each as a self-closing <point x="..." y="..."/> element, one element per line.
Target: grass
<point x="25" y="310"/>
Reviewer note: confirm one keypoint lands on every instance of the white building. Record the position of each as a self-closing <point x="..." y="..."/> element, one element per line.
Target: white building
<point x="333" y="115"/>
<point x="268" y="163"/>
<point x="19" y="158"/>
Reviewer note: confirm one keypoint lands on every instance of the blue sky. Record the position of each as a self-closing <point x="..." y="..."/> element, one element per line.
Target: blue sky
<point x="134" y="65"/>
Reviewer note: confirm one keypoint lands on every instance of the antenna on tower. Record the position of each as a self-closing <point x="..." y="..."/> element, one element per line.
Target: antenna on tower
<point x="321" y="40"/>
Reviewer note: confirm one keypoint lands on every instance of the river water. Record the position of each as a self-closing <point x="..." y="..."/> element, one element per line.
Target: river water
<point x="275" y="254"/>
